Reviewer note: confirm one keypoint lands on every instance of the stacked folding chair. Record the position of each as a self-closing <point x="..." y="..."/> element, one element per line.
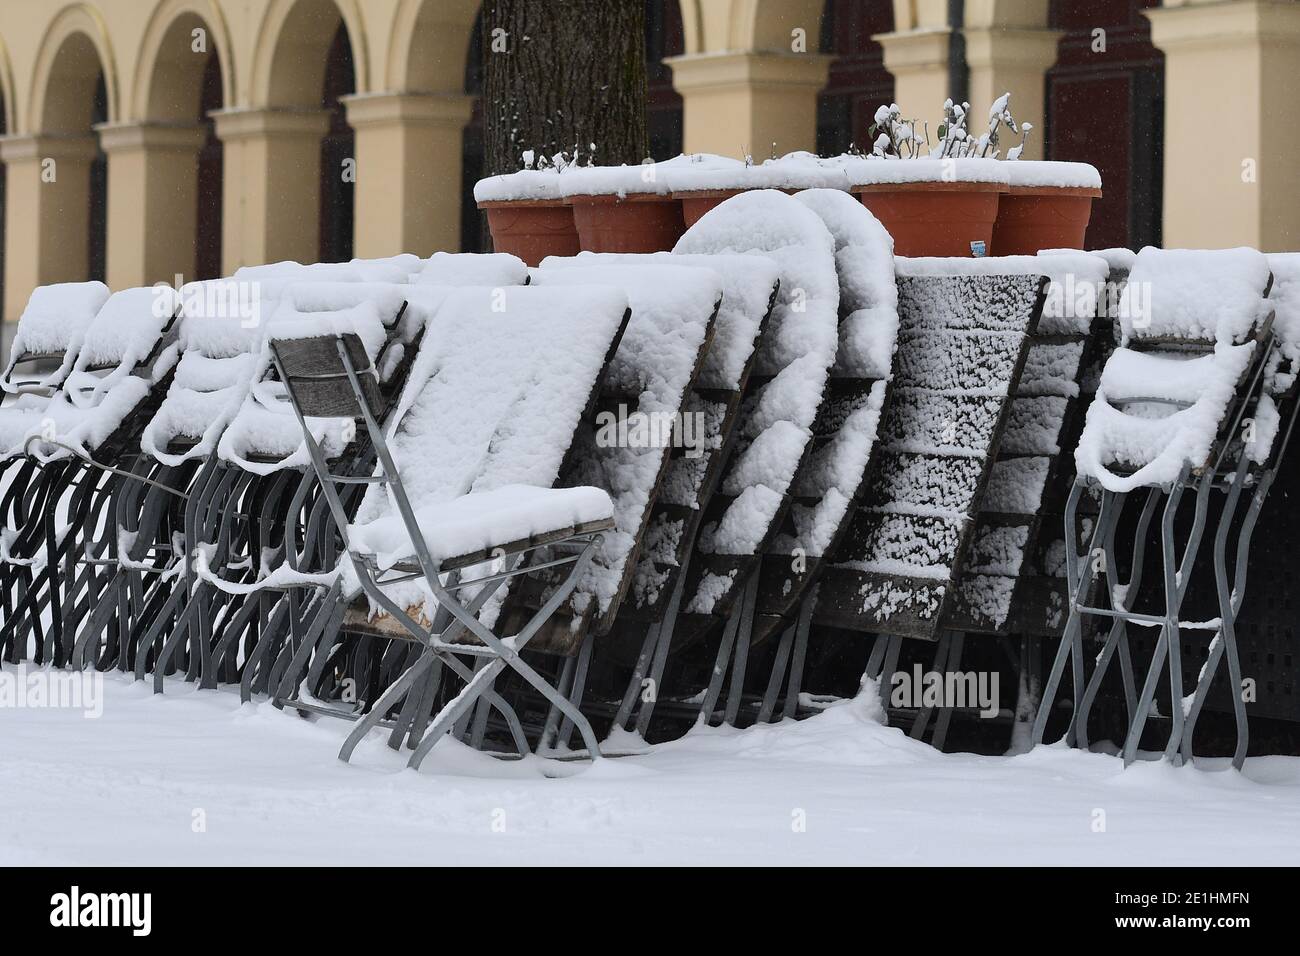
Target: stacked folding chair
<point x="1198" y="402"/>
<point x="772" y="437"/>
<point x="57" y="502"/>
<point x="256" y="500"/>
<point x="829" y="481"/>
<point x="963" y="343"/>
<point x="1000" y="593"/>
<point x="709" y="413"/>
<point x="460" y="505"/>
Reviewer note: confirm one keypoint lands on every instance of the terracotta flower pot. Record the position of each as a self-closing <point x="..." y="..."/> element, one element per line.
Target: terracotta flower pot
<point x="636" y="223"/>
<point x="696" y="202"/>
<point x="934" y="218"/>
<point x="1032" y="218"/>
<point x="532" y="229"/>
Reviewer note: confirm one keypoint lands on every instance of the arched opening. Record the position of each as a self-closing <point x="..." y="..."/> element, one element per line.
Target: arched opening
<point x="185" y="86"/>
<point x="311" y="65"/>
<point x="337" y="153"/>
<point x="76" y="101"/>
<point x="857" y="82"/>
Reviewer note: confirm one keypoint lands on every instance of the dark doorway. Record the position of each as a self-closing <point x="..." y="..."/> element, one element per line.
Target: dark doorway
<point x="1105" y="106"/>
<point x="337" y="154"/>
<point x="858" y="82"/>
<point x="97" y="240"/>
<point x="207" y="241"/>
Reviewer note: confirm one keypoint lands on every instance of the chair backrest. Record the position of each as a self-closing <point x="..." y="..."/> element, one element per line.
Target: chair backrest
<point x="645" y="390"/>
<point x="1195" y="296"/>
<point x="51" y="327"/>
<point x="962" y="345"/>
<point x="462" y="269"/>
<point x="129" y="331"/>
<point x="498" y="389"/>
<point x="1197" y="332"/>
<point x="790" y="373"/>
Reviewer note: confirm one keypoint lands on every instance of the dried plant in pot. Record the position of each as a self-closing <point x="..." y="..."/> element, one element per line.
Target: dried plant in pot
<point x="935" y="200"/>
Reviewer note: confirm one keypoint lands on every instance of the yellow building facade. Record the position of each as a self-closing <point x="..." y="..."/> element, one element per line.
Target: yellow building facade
<point x="128" y="96"/>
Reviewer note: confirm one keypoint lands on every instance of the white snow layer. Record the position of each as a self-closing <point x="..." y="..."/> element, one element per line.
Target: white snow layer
<point x="747" y="285"/>
<point x="274" y="793"/>
<point x="55" y="319"/>
<point x="672" y="307"/>
<point x="464" y="268"/>
<point x="481" y="521"/>
<point x="864" y="257"/>
<point x="796" y="352"/>
<point x="1214" y="295"/>
<point x="494" y="397"/>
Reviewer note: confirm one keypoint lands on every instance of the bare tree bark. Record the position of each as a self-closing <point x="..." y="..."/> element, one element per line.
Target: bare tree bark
<point x="564" y="76"/>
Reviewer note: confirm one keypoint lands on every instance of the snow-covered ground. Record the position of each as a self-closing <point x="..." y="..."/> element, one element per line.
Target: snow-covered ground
<point x="194" y="778"/>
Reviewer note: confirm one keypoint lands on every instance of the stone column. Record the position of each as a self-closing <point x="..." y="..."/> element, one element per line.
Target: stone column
<point x="271" y="167"/>
<point x="1232" y="78"/>
<point x="408" y="151"/>
<point x="758" y="103"/>
<point x="152" y="202"/>
<point x="47" y="213"/>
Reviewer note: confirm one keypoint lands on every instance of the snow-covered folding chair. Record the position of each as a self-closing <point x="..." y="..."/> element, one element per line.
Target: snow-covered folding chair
<point x="711" y="410"/>
<point x="996" y="593"/>
<point x="495" y="269"/>
<point x="291" y="609"/>
<point x="78" y="440"/>
<point x="774" y="435"/>
<point x="461" y="502"/>
<point x="49" y="332"/>
<point x="962" y="345"/>
<point x="256" y="497"/>
<point x="831" y="479"/>
<point x="628" y="450"/>
<point x="1185" y="407"/>
<point x="220" y="323"/>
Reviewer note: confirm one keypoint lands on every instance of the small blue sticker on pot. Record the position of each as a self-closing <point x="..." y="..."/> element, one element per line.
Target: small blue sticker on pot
<point x="977" y="248"/>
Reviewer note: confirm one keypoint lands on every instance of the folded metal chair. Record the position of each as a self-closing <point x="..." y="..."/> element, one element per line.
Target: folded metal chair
<point x="461" y="502"/>
<point x="829" y="482"/>
<point x="962" y="346"/>
<point x="76" y="441"/>
<point x="712" y="408"/>
<point x="256" y="497"/>
<point x="148" y="562"/>
<point x="995" y="590"/>
<point x="49" y="333"/>
<point x="292" y="611"/>
<point x="774" y="436"/>
<point x="1191" y="405"/>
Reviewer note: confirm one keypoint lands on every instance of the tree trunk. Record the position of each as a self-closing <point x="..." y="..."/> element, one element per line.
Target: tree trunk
<point x="563" y="76"/>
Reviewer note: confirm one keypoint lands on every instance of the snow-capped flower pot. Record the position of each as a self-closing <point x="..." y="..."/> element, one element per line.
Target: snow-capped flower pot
<point x="932" y="207"/>
<point x="642" y="222"/>
<point x="1047" y="206"/>
<point x="532" y="229"/>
